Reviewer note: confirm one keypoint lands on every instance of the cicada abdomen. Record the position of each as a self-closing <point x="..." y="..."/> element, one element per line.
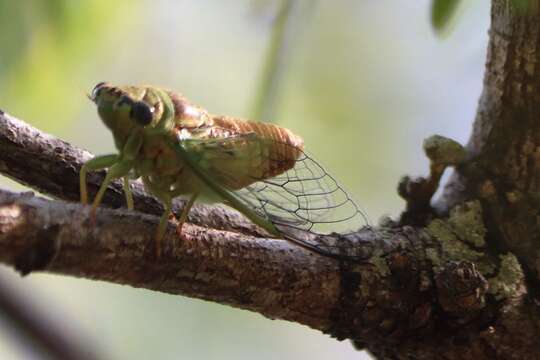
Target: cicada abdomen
<point x="279" y="147"/>
<point x="262" y="151"/>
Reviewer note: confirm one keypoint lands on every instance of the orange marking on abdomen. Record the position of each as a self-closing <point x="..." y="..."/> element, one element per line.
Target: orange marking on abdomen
<point x="284" y="147"/>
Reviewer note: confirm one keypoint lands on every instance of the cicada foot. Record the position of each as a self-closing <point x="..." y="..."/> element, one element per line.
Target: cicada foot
<point x="157" y="243"/>
<point x="160" y="233"/>
<point x="93" y="216"/>
<point x="179" y="231"/>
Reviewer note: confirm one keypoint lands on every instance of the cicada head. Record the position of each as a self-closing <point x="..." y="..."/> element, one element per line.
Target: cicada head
<point x="123" y="108"/>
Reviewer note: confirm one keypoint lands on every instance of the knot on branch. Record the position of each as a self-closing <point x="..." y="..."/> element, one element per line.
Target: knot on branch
<point x="30" y="255"/>
<point x="461" y="288"/>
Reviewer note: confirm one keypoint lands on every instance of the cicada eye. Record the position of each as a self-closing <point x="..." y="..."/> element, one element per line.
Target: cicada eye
<point x="97" y="90"/>
<point x="141" y="113"/>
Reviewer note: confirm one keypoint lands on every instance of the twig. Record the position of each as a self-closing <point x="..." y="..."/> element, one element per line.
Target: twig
<point x="39" y="331"/>
<point x="275" y="62"/>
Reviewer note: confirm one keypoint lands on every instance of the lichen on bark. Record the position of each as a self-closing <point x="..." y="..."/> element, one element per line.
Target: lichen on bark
<point x="461" y="238"/>
<point x="509" y="281"/>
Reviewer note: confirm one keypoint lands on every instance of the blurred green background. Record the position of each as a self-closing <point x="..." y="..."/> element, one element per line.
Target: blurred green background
<point x="364" y="83"/>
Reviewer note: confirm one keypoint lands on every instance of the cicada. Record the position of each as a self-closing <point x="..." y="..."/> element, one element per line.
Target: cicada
<point x="259" y="169"/>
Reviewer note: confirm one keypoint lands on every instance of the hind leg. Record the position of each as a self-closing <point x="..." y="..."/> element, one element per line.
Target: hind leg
<point x="185" y="212"/>
<point x="166" y="198"/>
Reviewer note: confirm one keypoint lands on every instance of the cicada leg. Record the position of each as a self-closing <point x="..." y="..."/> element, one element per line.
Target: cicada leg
<point x="162" y="227"/>
<point x="119" y="166"/>
<point x="97" y="163"/>
<point x="116" y="171"/>
<point x="127" y="192"/>
<point x="166" y="199"/>
<point x="185" y="212"/>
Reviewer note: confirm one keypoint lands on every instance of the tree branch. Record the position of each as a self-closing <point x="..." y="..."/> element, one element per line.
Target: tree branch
<point x="50" y="341"/>
<point x="503" y="169"/>
<point x="270" y="276"/>
<point x="409" y="287"/>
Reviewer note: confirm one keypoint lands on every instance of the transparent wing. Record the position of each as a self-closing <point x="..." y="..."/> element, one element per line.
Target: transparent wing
<point x="304" y="203"/>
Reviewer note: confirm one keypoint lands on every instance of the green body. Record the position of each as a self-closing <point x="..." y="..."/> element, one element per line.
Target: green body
<point x="171" y="163"/>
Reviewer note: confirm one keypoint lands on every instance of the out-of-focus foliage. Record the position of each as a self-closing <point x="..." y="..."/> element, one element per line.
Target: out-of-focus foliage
<point x="287" y="25"/>
<point x="45" y="47"/>
<point x="272" y="71"/>
<point x="442" y="14"/>
<point x="522" y="5"/>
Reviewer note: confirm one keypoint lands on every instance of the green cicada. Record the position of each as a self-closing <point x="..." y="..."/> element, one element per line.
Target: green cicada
<point x="259" y="169"/>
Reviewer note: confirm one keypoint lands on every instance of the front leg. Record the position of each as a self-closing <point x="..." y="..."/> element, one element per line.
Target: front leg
<point x="97" y="163"/>
<point x="119" y="169"/>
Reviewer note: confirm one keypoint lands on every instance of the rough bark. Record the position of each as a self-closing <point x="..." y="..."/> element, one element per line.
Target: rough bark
<point x="504" y="166"/>
<point x="456" y="283"/>
<point x="392" y="296"/>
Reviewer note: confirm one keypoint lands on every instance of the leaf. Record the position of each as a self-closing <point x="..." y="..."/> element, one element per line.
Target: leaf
<point x="442" y="13"/>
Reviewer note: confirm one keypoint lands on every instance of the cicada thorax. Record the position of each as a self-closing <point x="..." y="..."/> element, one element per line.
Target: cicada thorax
<point x="258" y="151"/>
<point x="186" y="115"/>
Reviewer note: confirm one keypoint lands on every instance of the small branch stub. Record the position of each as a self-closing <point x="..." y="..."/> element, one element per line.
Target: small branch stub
<point x="442" y="152"/>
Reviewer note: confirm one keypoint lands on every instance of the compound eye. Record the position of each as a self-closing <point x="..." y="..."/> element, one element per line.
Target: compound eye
<point x="97" y="89"/>
<point x="141" y="113"/>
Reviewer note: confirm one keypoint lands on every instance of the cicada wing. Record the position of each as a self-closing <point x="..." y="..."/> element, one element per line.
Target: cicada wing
<point x="304" y="203"/>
